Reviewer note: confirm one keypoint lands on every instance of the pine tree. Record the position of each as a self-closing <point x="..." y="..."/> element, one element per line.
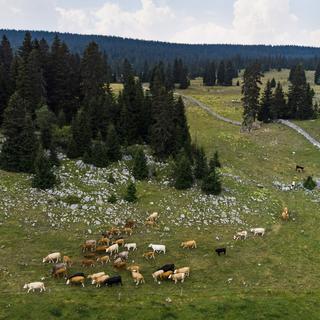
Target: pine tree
<point x="200" y="167"/>
<point x="140" y="168"/>
<point x="221" y="74"/>
<point x="317" y="74"/>
<point x="44" y="177"/>
<point x="273" y="83"/>
<point x="184" y="81"/>
<point x="309" y="183"/>
<point x="211" y="184"/>
<point x="279" y="108"/>
<point x="99" y="154"/>
<point x="26" y="47"/>
<point x="214" y="161"/>
<point x="230" y="73"/>
<point x="250" y="90"/>
<point x="264" y="113"/>
<point x="19" y="149"/>
<point x="183" y="178"/>
<point x="113" y="145"/>
<point x="131" y="193"/>
<point x="210" y="78"/>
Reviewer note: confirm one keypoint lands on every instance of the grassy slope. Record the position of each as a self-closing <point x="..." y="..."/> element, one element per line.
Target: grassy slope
<point x="272" y="278"/>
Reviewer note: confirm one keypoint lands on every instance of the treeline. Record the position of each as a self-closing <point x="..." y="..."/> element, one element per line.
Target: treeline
<point x="196" y="57"/>
<point x="274" y="103"/>
<point x="52" y="98"/>
<point x="222" y="76"/>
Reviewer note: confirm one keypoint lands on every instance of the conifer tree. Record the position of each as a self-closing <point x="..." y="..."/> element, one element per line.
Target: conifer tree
<point x="99" y="154"/>
<point x="211" y="184"/>
<point x="230" y="73"/>
<point x="131" y="193"/>
<point x="214" y="161"/>
<point x="317" y="74"/>
<point x="44" y="177"/>
<point x="273" y="83"/>
<point x="264" y="113"/>
<point x="140" y="167"/>
<point x="221" y="74"/>
<point x="183" y="178"/>
<point x="113" y="145"/>
<point x="251" y="91"/>
<point x="26" y="47"/>
<point x="200" y="166"/>
<point x="19" y="149"/>
<point x="279" y="109"/>
<point x="209" y="78"/>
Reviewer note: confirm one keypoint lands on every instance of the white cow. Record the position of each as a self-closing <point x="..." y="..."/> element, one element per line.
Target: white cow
<point x="51" y="257"/>
<point x="240" y="235"/>
<point x="34" y="286"/>
<point x="130" y="246"/>
<point x="258" y="231"/>
<point x="113" y="248"/>
<point x="158" y="247"/>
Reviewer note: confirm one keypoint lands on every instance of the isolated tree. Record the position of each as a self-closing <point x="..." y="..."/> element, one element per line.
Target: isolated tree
<point x="211" y="184"/>
<point x="131" y="193"/>
<point x="251" y="90"/>
<point x="19" y="149"/>
<point x="183" y="178"/>
<point x="264" y="113"/>
<point x="44" y="177"/>
<point x="309" y="183"/>
<point x="140" y="167"/>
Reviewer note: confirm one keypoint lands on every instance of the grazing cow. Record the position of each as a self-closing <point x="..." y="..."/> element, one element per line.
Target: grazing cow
<point x="58" y="266"/>
<point x="89" y="245"/>
<point x="78" y="274"/>
<point x="189" y="244"/>
<point x="221" y="250"/>
<point x="96" y="275"/>
<point x="158" y="247"/>
<point x="167" y="267"/>
<point x="113" y="280"/>
<point x="124" y="255"/>
<point x="113" y="249"/>
<point x="103" y="260"/>
<point x="149" y="255"/>
<point x="52" y="257"/>
<point x="185" y="270"/>
<point x="34" y="286"/>
<point x="87" y="263"/>
<point x="129" y="224"/>
<point x="120" y="264"/>
<point x="157" y="274"/>
<point x="134" y="268"/>
<point x="130" y="246"/>
<point x="285" y="214"/>
<point x="100" y="280"/>
<point x="100" y="249"/>
<point x="90" y="255"/>
<point x="115" y="230"/>
<point x="76" y="280"/>
<point x="128" y="231"/>
<point x="299" y="168"/>
<point x="177" y="276"/>
<point x="240" y="235"/>
<point x="59" y="272"/>
<point x="104" y="241"/>
<point x="67" y="261"/>
<point x="165" y="275"/>
<point x="120" y="242"/>
<point x="137" y="277"/>
<point x="153" y="216"/>
<point x="258" y="231"/>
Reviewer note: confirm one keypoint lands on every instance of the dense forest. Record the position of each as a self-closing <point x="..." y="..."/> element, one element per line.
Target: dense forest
<point x="141" y="53"/>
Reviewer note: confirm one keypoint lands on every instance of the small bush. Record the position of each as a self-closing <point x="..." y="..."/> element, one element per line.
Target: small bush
<point x="309" y="184"/>
<point x="112" y="199"/>
<point x="111" y="179"/>
<point x="71" y="200"/>
<point x="131" y="193"/>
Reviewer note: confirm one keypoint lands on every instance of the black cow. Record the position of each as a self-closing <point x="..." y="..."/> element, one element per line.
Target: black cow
<point x="113" y="280"/>
<point x="221" y="250"/>
<point x="78" y="274"/>
<point x="167" y="267"/>
<point x="299" y="168"/>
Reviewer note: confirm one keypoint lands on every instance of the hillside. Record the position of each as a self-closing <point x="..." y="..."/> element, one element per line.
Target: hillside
<point x="139" y="51"/>
<point x="274" y="277"/>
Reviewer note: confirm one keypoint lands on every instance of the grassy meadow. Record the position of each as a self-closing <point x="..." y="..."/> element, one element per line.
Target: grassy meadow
<point x="274" y="277"/>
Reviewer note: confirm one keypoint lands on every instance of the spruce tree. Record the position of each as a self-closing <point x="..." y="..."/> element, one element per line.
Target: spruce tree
<point x="183" y="178"/>
<point x="99" y="154"/>
<point x="214" y="161"/>
<point x="140" y="167"/>
<point x="273" y="83"/>
<point x="251" y="90"/>
<point x="230" y="73"/>
<point x="19" y="149"/>
<point x="200" y="163"/>
<point x="279" y="108"/>
<point x="131" y="193"/>
<point x="221" y="74"/>
<point x="264" y="113"/>
<point x="211" y="184"/>
<point x="113" y="145"/>
<point x="44" y="177"/>
<point x="209" y="78"/>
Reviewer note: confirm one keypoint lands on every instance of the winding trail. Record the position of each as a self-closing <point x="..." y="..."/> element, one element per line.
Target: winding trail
<point x="287" y="123"/>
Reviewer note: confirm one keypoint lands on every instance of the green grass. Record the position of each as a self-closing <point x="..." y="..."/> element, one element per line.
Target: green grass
<point x="275" y="277"/>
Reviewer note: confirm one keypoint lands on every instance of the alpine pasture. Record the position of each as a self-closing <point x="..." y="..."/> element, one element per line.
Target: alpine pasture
<point x="271" y="277"/>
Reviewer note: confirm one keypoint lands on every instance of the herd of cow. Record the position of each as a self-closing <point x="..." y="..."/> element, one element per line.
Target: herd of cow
<point x="108" y="247"/>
